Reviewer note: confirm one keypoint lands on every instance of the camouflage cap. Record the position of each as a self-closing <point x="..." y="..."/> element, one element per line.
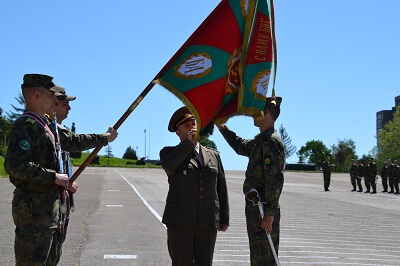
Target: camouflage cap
<point x="40" y="80"/>
<point x="64" y="97"/>
<point x="271" y="101"/>
<point x="180" y="116"/>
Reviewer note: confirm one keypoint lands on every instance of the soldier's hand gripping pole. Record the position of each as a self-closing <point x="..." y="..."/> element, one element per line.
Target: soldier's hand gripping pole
<point x="116" y="126"/>
<point x="63" y="196"/>
<point x="253" y="196"/>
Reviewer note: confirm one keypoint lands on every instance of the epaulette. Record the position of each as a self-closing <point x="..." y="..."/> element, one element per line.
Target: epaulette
<point x="30" y="120"/>
<point x="211" y="148"/>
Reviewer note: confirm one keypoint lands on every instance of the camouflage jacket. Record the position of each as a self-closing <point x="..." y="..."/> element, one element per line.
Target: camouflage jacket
<point x="353" y="169"/>
<point x="389" y="171"/>
<point x="396" y="171"/>
<point x="326" y="167"/>
<point x="360" y="170"/>
<point x="384" y="171"/>
<point x="266" y="165"/>
<point x="31" y="155"/>
<point x="372" y="170"/>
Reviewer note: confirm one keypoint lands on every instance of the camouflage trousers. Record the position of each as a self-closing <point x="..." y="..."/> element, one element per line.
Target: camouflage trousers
<point x="260" y="251"/>
<point x="36" y="217"/>
<point x="327" y="180"/>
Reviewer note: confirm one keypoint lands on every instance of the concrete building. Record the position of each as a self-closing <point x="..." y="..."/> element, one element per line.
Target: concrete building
<point x="384" y="116"/>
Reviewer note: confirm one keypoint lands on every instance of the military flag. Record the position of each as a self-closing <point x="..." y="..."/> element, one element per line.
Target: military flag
<point x="206" y="73"/>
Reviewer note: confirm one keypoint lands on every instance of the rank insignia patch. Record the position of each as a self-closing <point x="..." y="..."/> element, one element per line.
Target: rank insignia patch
<point x="25" y="145"/>
<point x="267" y="161"/>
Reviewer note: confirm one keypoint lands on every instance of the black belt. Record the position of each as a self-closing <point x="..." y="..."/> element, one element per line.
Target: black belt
<point x="52" y="191"/>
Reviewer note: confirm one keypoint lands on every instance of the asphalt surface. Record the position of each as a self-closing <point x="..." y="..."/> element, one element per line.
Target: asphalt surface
<point x="118" y="212"/>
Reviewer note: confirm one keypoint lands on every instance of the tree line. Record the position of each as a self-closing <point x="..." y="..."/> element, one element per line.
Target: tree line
<point x="314" y="151"/>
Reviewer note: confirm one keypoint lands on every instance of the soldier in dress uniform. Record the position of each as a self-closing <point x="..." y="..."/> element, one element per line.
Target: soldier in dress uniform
<point x="384" y="177"/>
<point x="264" y="173"/>
<point x="31" y="163"/>
<point x="197" y="201"/>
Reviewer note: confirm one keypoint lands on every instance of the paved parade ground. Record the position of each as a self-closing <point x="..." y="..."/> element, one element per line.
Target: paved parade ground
<point x="118" y="212"/>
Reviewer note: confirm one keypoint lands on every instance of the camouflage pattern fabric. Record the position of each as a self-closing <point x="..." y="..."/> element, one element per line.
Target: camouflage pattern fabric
<point x="31" y="163"/>
<point x="371" y="172"/>
<point x="384" y="178"/>
<point x="264" y="173"/>
<point x="367" y="177"/>
<point x="353" y="175"/>
<point x="395" y="178"/>
<point x="326" y="171"/>
<point x="390" y="177"/>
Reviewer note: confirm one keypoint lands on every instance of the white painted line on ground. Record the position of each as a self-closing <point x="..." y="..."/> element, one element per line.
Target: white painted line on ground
<point x="120" y="257"/>
<point x="143" y="199"/>
<point x="113" y="190"/>
<point x="119" y="206"/>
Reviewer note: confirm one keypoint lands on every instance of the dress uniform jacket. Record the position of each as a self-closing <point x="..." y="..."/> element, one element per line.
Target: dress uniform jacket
<point x="197" y="194"/>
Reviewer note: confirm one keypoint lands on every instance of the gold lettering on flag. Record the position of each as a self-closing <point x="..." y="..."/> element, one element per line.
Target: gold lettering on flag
<point x="194" y="66"/>
<point x="260" y="83"/>
<point x="263" y="38"/>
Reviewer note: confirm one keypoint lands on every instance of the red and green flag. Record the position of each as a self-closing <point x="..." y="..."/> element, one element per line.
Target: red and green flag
<point x="213" y="74"/>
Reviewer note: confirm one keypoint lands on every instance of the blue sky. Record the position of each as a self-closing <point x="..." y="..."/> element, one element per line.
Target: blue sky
<point x="338" y="64"/>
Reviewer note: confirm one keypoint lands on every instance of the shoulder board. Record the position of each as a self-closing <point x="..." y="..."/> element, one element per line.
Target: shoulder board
<point x="30" y="120"/>
<point x="211" y="148"/>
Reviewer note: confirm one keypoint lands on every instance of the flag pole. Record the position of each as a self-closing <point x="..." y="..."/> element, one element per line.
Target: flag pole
<point x="116" y="126"/>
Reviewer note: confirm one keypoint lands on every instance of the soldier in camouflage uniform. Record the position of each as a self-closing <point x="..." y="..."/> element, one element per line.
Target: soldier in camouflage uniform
<point x="367" y="177"/>
<point x="326" y="171"/>
<point x="396" y="177"/>
<point x="31" y="163"/>
<point x="390" y="175"/>
<point x="360" y="173"/>
<point x="61" y="110"/>
<point x="372" y="174"/>
<point x="384" y="178"/>
<point x="353" y="175"/>
<point x="264" y="173"/>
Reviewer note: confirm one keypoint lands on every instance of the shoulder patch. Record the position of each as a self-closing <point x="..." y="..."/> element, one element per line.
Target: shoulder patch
<point x="25" y="145"/>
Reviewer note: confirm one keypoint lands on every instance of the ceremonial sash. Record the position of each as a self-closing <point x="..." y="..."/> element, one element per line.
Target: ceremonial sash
<point x="42" y="123"/>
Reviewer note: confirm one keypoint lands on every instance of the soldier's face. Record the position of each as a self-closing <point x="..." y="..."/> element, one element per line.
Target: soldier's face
<point x="259" y="122"/>
<point x="46" y="99"/>
<point x="62" y="109"/>
<point x="184" y="128"/>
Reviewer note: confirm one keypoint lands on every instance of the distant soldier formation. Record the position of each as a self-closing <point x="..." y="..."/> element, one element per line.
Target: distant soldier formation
<point x="366" y="170"/>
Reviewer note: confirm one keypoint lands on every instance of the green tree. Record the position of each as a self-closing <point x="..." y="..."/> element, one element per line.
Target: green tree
<point x="130" y="154"/>
<point x="18" y="111"/>
<point x="343" y="152"/>
<point x="208" y="143"/>
<point x="5" y="128"/>
<point x="314" y="151"/>
<point x="287" y="142"/>
<point x="109" y="153"/>
<point x="389" y="139"/>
